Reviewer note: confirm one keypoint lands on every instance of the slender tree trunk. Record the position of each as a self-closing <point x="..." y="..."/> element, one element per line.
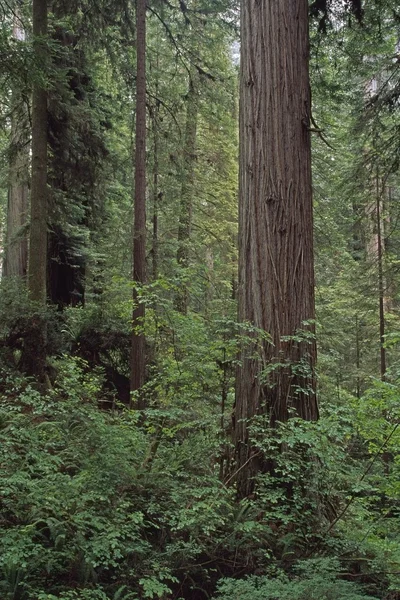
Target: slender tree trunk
<point x="16" y="243"/>
<point x="138" y="350"/>
<point x="234" y="283"/>
<point x="387" y="225"/>
<point x="381" y="280"/>
<point x="34" y="357"/>
<point x="209" y="277"/>
<point x="155" y="250"/>
<point x="156" y="191"/>
<point x="186" y="203"/>
<point x="276" y="273"/>
<point x="358" y="358"/>
<point x="15" y="261"/>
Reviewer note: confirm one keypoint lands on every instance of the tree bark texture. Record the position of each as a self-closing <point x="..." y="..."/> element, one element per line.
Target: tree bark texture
<point x="381" y="276"/>
<point x="38" y="227"/>
<point x="138" y="349"/>
<point x="276" y="270"/>
<point x="155" y="249"/>
<point x="186" y="202"/>
<point x="376" y="252"/>
<point x="15" y="261"/>
<point x="33" y="358"/>
<point x="16" y="243"/>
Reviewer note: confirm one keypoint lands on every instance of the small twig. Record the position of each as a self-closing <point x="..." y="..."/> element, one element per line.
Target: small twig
<point x="241" y="467"/>
<point x="319" y="132"/>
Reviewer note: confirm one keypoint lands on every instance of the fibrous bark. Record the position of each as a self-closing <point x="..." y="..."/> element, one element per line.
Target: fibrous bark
<point x="38" y="227"/>
<point x="15" y="261"/>
<point x="276" y="273"/>
<point x="16" y="242"/>
<point x="34" y="355"/>
<point x="138" y="351"/>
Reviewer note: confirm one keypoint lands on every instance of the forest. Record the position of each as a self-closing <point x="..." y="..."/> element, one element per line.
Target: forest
<point x="199" y="300"/>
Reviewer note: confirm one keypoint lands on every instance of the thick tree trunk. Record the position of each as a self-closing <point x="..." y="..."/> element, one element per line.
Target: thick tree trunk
<point x="34" y="357"/>
<point x="38" y="227"/>
<point x="186" y="203"/>
<point x="276" y="272"/>
<point x="138" y="350"/>
<point x="71" y="181"/>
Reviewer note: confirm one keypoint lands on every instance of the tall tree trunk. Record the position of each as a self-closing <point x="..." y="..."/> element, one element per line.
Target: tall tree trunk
<point x="375" y="246"/>
<point x="156" y="197"/>
<point x="209" y="277"/>
<point x="35" y="344"/>
<point x="15" y="261"/>
<point x="16" y="243"/>
<point x="276" y="272"/>
<point x="358" y="358"/>
<point x="186" y="202"/>
<point x="375" y="251"/>
<point x="381" y="277"/>
<point x="138" y="349"/>
<point x="38" y="227"/>
<point x="156" y="192"/>
<point x="387" y="226"/>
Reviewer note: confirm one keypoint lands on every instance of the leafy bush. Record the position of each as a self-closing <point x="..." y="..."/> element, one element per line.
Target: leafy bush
<point x="315" y="580"/>
<point x="84" y="510"/>
<point x="99" y="505"/>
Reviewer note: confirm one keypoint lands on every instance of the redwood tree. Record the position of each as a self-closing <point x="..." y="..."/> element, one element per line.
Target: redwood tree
<point x="38" y="227"/>
<point x="34" y="356"/>
<point x="138" y="351"/>
<point x="276" y="273"/>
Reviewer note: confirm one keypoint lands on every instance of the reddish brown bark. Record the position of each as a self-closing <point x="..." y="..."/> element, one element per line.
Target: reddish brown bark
<point x="138" y="349"/>
<point x="16" y="243"/>
<point x="38" y="227"/>
<point x="34" y="355"/>
<point x="276" y="273"/>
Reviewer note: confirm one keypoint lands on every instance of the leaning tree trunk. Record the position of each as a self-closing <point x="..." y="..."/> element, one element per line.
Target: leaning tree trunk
<point x="34" y="356"/>
<point x="138" y="348"/>
<point x="276" y="273"/>
<point x="16" y="243"/>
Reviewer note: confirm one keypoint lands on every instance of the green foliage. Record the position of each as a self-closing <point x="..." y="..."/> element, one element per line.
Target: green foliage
<point x="98" y="502"/>
<point x="83" y="507"/>
<point x="93" y="501"/>
<point x="17" y="312"/>
<point x="314" y="580"/>
<point x="62" y="466"/>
